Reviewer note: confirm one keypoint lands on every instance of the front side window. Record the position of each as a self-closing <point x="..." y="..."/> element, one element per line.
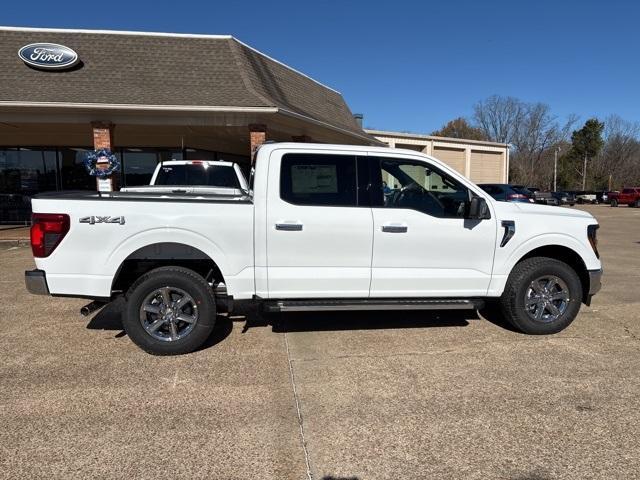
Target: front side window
<point x="322" y="180"/>
<point x="418" y="186"/>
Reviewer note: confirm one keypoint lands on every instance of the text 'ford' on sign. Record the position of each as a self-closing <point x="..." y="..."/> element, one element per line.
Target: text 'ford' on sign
<point x="48" y="56"/>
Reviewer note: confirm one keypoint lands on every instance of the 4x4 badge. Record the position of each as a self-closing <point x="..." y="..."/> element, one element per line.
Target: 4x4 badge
<point x="92" y="220"/>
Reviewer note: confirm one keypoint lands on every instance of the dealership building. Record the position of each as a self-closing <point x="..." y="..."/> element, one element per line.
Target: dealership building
<point x="151" y="97"/>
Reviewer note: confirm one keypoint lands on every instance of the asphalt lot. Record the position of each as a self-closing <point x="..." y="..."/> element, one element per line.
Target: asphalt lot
<point x="366" y="396"/>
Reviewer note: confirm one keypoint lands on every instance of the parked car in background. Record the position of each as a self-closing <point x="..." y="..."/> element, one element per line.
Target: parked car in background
<point x="545" y="198"/>
<point x="508" y="193"/>
<point x="585" y="197"/>
<point x="603" y="197"/>
<point x="628" y="196"/>
<point x="564" y="198"/>
<point x="195" y="177"/>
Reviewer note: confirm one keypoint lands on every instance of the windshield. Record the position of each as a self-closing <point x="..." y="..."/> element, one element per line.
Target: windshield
<point x="200" y="174"/>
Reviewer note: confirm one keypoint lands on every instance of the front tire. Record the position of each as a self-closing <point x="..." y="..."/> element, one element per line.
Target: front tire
<point x="614" y="203"/>
<point x="170" y="311"/>
<point x="542" y="296"/>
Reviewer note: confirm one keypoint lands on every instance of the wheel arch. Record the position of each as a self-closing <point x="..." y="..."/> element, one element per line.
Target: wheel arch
<point x="566" y="255"/>
<point x="162" y="254"/>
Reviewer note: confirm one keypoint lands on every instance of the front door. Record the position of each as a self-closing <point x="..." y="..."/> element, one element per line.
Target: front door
<point x="319" y="225"/>
<point x="423" y="245"/>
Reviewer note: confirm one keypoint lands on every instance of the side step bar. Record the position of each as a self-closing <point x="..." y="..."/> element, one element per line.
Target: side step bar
<point x="372" y="304"/>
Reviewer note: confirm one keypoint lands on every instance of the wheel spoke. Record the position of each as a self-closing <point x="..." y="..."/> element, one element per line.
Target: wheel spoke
<point x="186" y="318"/>
<point x="550" y="286"/>
<point x="531" y="301"/>
<point x="173" y="331"/>
<point x="182" y="302"/>
<point x="552" y="309"/>
<point x="155" y="325"/>
<point x="560" y="296"/>
<point x="151" y="308"/>
<point x="535" y="285"/>
<point x="166" y="295"/>
<point x="539" y="310"/>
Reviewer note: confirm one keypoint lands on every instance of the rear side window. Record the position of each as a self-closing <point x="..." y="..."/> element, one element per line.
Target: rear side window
<point x="322" y="180"/>
<point x="200" y="174"/>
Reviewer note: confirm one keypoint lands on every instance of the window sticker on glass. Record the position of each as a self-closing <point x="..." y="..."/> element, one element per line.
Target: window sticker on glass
<point x="314" y="179"/>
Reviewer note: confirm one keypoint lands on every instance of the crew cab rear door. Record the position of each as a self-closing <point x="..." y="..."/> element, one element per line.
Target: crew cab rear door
<point x="319" y="230"/>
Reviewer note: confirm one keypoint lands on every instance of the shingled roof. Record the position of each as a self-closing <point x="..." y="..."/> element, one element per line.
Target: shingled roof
<point x="132" y="68"/>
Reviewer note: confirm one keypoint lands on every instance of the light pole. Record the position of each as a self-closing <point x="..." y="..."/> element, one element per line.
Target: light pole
<point x="555" y="168"/>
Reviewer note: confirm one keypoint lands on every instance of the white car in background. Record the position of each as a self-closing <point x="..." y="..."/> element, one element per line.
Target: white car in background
<point x="195" y="177"/>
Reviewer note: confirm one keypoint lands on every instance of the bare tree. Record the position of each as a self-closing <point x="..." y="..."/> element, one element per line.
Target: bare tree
<point x="619" y="161"/>
<point x="532" y="130"/>
<point x="499" y="117"/>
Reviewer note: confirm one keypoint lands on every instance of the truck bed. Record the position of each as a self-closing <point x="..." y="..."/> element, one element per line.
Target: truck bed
<point x="143" y="196"/>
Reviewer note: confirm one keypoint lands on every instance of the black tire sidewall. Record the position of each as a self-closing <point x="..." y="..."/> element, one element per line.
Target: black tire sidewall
<point x="178" y="277"/>
<point x="523" y="275"/>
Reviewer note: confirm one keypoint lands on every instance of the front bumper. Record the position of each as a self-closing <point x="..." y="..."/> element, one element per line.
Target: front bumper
<point x="595" y="284"/>
<point x="36" y="282"/>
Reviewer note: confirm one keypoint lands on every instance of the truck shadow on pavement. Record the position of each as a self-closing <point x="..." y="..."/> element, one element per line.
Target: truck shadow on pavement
<point x="110" y="318"/>
<point x="352" y="320"/>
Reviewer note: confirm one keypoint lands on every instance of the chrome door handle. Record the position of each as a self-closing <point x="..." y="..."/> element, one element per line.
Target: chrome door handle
<point x="395" y="228"/>
<point x="289" y="227"/>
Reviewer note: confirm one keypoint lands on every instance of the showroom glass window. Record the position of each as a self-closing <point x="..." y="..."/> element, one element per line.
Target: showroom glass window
<point x="319" y="180"/>
<point x="73" y="174"/>
<point x="418" y="186"/>
<point x="23" y="173"/>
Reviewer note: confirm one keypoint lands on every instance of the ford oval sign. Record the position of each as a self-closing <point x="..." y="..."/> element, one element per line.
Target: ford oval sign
<point x="49" y="56"/>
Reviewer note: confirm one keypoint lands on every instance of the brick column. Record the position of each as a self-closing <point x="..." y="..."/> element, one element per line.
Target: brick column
<point x="103" y="138"/>
<point x="257" y="136"/>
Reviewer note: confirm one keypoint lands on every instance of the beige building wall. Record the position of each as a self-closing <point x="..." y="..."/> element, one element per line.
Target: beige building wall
<point x="482" y="162"/>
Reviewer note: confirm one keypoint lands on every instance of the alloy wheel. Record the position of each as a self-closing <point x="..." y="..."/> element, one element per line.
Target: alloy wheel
<point x="168" y="314"/>
<point x="546" y="298"/>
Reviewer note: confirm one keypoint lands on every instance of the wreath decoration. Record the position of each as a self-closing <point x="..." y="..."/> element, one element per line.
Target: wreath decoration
<point x="101" y="163"/>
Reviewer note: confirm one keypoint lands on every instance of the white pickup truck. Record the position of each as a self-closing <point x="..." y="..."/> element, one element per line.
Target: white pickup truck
<point x="320" y="230"/>
<point x="195" y="176"/>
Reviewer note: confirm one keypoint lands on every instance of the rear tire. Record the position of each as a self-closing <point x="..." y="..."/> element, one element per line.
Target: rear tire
<point x="542" y="296"/>
<point x="170" y="311"/>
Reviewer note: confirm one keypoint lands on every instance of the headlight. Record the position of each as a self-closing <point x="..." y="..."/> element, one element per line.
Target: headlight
<point x="593" y="238"/>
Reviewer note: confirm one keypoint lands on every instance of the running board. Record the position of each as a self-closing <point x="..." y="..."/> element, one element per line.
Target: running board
<point x="372" y="304"/>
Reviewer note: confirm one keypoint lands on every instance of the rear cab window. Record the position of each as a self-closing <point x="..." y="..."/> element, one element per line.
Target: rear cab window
<point x="323" y="180"/>
<point x="198" y="173"/>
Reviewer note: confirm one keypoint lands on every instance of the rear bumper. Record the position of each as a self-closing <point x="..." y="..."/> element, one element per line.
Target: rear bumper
<point x="36" y="282"/>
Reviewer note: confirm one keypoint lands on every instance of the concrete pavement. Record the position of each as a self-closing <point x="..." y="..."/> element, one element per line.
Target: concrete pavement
<point x="347" y="395"/>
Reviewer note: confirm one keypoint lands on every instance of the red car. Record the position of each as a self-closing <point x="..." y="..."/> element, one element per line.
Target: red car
<point x="628" y="196"/>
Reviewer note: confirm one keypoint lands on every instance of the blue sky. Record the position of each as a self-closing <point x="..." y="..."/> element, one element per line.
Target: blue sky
<point x="410" y="65"/>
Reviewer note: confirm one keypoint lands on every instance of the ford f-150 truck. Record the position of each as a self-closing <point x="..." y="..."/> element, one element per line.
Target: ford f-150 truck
<point x="317" y="232"/>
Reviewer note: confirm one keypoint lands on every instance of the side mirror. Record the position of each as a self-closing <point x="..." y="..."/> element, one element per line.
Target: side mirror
<point x="478" y="209"/>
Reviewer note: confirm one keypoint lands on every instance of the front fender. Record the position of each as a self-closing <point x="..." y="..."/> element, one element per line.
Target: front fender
<point x="545" y="240"/>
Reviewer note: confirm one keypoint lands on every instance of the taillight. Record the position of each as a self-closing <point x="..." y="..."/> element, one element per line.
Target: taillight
<point x="593" y="238"/>
<point x="47" y="231"/>
<point x="516" y="196"/>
